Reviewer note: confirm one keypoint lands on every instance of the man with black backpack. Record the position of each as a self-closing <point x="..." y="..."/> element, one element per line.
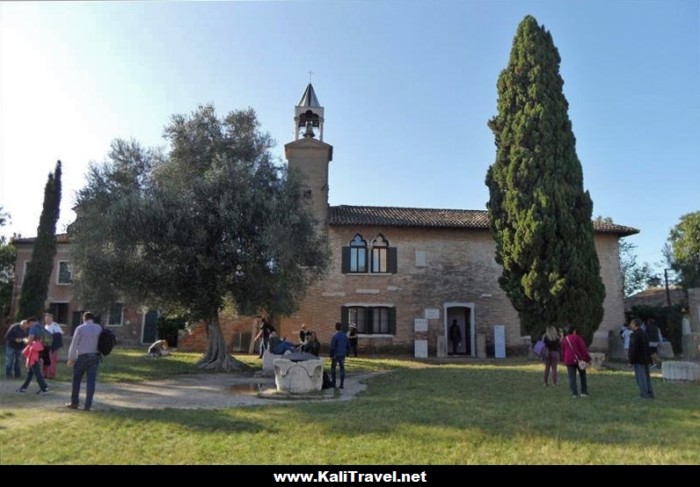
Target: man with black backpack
<point x="84" y="356"/>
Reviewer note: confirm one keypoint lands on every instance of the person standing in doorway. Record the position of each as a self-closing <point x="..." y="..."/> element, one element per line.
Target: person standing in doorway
<point x="640" y="358"/>
<point x="56" y="331"/>
<point x="340" y="347"/>
<point x="84" y="357"/>
<point x="455" y="336"/>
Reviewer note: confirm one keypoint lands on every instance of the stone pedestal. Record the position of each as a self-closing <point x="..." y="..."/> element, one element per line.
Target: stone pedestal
<point x="616" y="349"/>
<point x="665" y="350"/>
<point x="420" y="347"/>
<point x="691" y="341"/>
<point x="441" y="347"/>
<point x="680" y="371"/>
<point x="600" y="342"/>
<point x="298" y="377"/>
<point x="481" y="345"/>
<point x="499" y="341"/>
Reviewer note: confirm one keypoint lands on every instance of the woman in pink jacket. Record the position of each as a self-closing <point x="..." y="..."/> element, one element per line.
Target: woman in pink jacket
<point x="573" y="351"/>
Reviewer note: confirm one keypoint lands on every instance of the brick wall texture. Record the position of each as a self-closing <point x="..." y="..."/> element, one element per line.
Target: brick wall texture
<point x="459" y="269"/>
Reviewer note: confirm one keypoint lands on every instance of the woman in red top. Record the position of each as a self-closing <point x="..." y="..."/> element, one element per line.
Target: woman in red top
<point x="573" y="349"/>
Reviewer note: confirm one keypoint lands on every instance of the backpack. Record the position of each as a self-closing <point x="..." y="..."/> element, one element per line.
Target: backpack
<point x="106" y="341"/>
<point x="327" y="382"/>
<point x="46" y="338"/>
<point x="540" y="349"/>
<point x="57" y="343"/>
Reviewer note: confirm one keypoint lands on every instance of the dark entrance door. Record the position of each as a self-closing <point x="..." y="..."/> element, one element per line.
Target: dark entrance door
<point x="150" y="327"/>
<point x="462" y="316"/>
<point x="76" y="321"/>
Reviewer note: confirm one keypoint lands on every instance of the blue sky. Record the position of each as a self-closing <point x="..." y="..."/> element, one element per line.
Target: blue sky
<point x="408" y="87"/>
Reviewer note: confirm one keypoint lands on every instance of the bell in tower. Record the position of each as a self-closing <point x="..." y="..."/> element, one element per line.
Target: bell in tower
<point x="308" y="114"/>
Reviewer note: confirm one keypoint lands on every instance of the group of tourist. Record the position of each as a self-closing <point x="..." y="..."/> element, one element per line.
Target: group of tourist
<point x="342" y="345"/>
<point x="27" y="340"/>
<point x="569" y="348"/>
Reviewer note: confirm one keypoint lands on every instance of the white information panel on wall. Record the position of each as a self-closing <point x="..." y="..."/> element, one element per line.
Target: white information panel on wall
<point x="420" y="324"/>
<point x="432" y="314"/>
<point x="421" y="349"/>
<point x="499" y="341"/>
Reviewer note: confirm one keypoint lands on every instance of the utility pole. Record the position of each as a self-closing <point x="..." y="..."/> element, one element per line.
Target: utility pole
<point x="668" y="292"/>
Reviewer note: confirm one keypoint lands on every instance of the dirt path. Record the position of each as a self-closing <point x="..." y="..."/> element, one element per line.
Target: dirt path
<point x="201" y="391"/>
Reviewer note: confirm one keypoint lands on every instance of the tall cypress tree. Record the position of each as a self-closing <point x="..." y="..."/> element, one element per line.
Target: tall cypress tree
<point x="35" y="287"/>
<point x="540" y="215"/>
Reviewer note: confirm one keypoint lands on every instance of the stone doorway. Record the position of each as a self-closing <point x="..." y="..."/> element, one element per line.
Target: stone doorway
<point x="463" y="314"/>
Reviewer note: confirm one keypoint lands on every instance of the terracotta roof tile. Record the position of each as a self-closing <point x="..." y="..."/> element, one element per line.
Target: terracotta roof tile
<point x="345" y="215"/>
<point x="60" y="238"/>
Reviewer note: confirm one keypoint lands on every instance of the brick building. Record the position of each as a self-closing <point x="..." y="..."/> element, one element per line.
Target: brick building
<point x="403" y="275"/>
<point x="130" y="325"/>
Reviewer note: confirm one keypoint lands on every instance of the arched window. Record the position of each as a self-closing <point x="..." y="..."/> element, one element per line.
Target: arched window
<point x="359" y="258"/>
<point x="358" y="254"/>
<point x="380" y="252"/>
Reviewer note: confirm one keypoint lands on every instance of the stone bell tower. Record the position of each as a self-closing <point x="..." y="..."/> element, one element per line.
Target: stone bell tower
<point x="309" y="155"/>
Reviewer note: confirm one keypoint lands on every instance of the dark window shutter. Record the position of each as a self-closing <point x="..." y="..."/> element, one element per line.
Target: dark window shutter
<point x="344" y="314"/>
<point x="345" y="260"/>
<point x="392" y="321"/>
<point x="393" y="259"/>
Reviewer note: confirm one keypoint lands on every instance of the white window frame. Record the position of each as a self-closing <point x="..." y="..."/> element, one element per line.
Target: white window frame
<point x="58" y="273"/>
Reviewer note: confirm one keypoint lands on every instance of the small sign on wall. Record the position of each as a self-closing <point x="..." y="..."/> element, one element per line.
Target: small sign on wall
<point x="432" y="314"/>
<point x="420" y="324"/>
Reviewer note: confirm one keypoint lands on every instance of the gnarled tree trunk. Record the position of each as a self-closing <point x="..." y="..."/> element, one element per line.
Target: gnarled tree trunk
<point x="217" y="358"/>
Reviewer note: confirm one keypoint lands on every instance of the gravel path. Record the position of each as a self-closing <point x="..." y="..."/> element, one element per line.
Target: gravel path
<point x="201" y="391"/>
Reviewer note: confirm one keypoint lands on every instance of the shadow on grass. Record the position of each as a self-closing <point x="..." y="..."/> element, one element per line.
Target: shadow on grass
<point x="209" y="421"/>
<point x="505" y="402"/>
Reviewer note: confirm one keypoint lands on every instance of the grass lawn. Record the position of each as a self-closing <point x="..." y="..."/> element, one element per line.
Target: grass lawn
<point x="491" y="412"/>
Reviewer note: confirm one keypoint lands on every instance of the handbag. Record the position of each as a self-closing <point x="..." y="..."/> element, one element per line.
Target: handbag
<point x="581" y="364"/>
<point x="539" y="348"/>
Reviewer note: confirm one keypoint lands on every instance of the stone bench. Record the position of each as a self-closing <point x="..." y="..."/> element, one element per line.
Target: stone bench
<point x="298" y="377"/>
<point x="680" y="371"/>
